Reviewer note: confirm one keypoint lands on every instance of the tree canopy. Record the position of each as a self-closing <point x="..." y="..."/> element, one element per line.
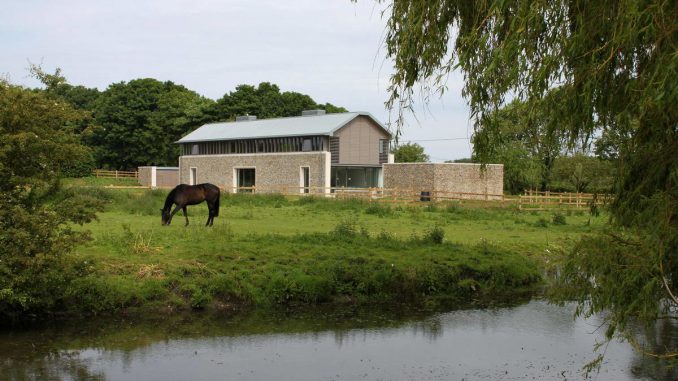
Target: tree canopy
<point x="266" y="101"/>
<point x="140" y="120"/>
<point x="410" y="153"/>
<point x="607" y="68"/>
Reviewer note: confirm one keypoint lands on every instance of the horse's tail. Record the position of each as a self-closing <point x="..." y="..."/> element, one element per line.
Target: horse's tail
<point x="216" y="203"/>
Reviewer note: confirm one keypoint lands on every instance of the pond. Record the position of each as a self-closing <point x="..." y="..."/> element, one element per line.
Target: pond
<point x="533" y="340"/>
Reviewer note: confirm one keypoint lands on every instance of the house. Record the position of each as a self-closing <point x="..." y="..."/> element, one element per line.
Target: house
<point x="309" y="154"/>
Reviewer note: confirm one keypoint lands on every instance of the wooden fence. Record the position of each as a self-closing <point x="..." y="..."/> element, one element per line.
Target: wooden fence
<point x="116" y="174"/>
<point x="534" y="200"/>
<point x="376" y="194"/>
<point x="530" y="200"/>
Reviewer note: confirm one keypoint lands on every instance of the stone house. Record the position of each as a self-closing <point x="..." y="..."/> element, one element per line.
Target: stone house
<point x="309" y="154"/>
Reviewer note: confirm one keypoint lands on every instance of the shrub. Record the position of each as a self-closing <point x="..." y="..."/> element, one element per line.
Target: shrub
<point x="435" y="235"/>
<point x="559" y="219"/>
<point x="542" y="223"/>
<point x="378" y="210"/>
<point x="347" y="228"/>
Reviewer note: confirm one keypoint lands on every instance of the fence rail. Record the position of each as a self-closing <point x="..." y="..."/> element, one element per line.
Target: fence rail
<point x="376" y="194"/>
<point x="534" y="200"/>
<point x="116" y="174"/>
<point x="530" y="200"/>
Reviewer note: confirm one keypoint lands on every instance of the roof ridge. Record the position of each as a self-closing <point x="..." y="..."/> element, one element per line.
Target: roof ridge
<point x="287" y="117"/>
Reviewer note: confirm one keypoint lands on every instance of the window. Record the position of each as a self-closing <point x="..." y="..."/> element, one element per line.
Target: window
<point x="306" y="147"/>
<point x="305" y="180"/>
<point x="381" y="145"/>
<point x="245" y="180"/>
<point x="193" y="176"/>
<point x="195" y="150"/>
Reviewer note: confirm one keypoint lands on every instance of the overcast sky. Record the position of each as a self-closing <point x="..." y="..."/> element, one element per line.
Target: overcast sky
<point x="331" y="50"/>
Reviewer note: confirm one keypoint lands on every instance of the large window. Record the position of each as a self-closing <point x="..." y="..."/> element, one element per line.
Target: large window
<point x="265" y="145"/>
<point x="355" y="177"/>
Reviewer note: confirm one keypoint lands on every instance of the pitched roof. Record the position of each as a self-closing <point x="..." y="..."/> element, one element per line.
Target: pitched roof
<point x="280" y="127"/>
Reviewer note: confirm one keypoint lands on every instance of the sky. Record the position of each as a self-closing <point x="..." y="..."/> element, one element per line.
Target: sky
<point x="331" y="50"/>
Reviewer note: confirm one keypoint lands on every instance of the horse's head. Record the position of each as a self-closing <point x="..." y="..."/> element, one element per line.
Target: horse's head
<point x="165" y="216"/>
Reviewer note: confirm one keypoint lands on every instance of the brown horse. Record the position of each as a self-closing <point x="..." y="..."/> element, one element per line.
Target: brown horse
<point x="183" y="195"/>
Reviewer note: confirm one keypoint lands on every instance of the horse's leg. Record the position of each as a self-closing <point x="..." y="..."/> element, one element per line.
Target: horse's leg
<point x="185" y="214"/>
<point x="212" y="209"/>
<point x="173" y="213"/>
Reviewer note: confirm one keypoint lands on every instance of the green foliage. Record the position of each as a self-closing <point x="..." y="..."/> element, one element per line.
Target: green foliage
<point x="580" y="173"/>
<point x="380" y="210"/>
<point x="559" y="219"/>
<point x="542" y="223"/>
<point x="435" y="235"/>
<point x="140" y="120"/>
<point x="591" y="67"/>
<point x="410" y="153"/>
<point x="265" y="101"/>
<point x="526" y="140"/>
<point x="36" y="234"/>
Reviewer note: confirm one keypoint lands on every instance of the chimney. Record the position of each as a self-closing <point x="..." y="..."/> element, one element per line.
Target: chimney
<point x="312" y="112"/>
<point x="245" y="118"/>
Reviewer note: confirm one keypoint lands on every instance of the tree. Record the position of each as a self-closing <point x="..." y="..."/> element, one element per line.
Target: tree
<point x="614" y="69"/>
<point x="140" y="120"/>
<point x="36" y="234"/>
<point x="581" y="173"/>
<point x="410" y="153"/>
<point x="526" y="142"/>
<point x="266" y="101"/>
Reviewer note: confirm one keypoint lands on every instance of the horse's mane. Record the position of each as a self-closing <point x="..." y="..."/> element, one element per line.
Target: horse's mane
<point x="170" y="199"/>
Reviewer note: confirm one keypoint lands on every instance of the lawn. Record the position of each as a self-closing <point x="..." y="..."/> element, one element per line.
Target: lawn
<point x="270" y="249"/>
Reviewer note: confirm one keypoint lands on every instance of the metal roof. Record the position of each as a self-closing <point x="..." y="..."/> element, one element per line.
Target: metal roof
<point x="280" y="127"/>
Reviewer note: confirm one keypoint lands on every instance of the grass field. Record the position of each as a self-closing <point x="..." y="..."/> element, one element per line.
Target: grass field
<point x="269" y="249"/>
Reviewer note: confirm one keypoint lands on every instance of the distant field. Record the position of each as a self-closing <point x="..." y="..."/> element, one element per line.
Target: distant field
<point x="274" y="249"/>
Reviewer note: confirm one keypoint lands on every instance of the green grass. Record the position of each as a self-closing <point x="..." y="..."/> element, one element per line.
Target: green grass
<point x="270" y="249"/>
<point x="98" y="181"/>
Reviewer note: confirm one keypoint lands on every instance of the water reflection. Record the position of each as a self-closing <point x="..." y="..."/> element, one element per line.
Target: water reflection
<point x="529" y="341"/>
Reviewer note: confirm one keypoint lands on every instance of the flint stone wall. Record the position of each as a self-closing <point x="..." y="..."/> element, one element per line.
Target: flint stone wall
<point x="451" y="180"/>
<point x="165" y="177"/>
<point x="273" y="172"/>
<point x="145" y="176"/>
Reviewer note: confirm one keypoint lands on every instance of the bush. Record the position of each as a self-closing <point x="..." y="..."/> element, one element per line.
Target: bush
<point x="559" y="219"/>
<point x="542" y="223"/>
<point x="435" y="235"/>
<point x="378" y="210"/>
<point x="347" y="228"/>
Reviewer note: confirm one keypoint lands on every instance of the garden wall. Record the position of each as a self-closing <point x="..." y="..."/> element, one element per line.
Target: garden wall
<point x="447" y="180"/>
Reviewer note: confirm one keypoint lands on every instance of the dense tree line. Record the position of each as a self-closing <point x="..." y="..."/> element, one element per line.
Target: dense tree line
<point x="137" y="122"/>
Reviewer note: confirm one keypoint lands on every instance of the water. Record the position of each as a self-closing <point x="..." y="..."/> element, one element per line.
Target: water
<point x="530" y="341"/>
